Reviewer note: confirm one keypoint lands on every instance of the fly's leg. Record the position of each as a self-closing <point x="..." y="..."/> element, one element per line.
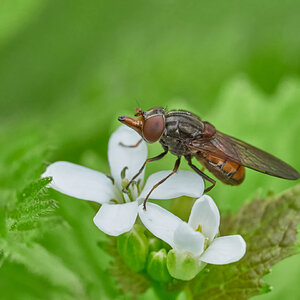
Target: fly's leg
<point x="131" y="146"/>
<point x="177" y="163"/>
<point x="158" y="157"/>
<point x="213" y="182"/>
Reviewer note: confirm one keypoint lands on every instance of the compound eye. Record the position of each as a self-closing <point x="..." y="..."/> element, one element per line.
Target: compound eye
<point x="153" y="128"/>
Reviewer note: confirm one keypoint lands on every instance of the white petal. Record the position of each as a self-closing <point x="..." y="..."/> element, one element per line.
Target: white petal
<point x="80" y="182"/>
<point x="206" y="214"/>
<point x="160" y="222"/>
<point x="225" y="250"/>
<point x="120" y="156"/>
<point x="188" y="240"/>
<point x="180" y="184"/>
<point x="115" y="219"/>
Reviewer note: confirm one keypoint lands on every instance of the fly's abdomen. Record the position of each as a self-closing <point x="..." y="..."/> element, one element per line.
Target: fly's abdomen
<point x="225" y="170"/>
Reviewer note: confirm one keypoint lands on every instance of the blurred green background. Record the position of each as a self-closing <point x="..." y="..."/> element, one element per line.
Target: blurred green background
<point x="69" y="68"/>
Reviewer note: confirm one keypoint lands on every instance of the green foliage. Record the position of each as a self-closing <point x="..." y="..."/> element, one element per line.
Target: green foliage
<point x="39" y="241"/>
<point x="269" y="123"/>
<point x="40" y="235"/>
<point x="12" y="20"/>
<point x="133" y="248"/>
<point x="32" y="205"/>
<point x="68" y="69"/>
<point x="269" y="227"/>
<point x="129" y="281"/>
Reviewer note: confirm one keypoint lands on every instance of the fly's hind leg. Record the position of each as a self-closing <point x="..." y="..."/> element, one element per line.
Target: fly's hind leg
<point x="213" y="182"/>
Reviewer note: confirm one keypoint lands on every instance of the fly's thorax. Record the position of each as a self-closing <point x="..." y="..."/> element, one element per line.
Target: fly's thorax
<point x="180" y="126"/>
<point x="183" y="124"/>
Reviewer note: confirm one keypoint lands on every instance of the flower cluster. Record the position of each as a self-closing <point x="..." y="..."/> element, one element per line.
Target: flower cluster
<point x="118" y="212"/>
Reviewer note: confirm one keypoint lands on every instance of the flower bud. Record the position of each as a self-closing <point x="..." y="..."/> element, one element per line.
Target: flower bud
<point x="157" y="266"/>
<point x="183" y="266"/>
<point x="154" y="244"/>
<point x="133" y="248"/>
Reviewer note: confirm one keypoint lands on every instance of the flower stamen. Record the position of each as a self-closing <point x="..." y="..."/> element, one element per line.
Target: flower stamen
<point x="111" y="178"/>
<point x="199" y="228"/>
<point x="123" y="172"/>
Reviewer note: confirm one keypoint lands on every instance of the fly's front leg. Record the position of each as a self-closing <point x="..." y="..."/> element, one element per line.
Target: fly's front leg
<point x="158" y="157"/>
<point x="177" y="163"/>
<point x="213" y="182"/>
<point x="131" y="146"/>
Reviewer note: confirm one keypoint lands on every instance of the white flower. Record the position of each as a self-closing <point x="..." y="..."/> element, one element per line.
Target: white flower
<point x="198" y="236"/>
<point x="119" y="210"/>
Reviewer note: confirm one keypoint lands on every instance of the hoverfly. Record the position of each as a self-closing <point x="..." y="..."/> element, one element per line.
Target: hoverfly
<point x="184" y="134"/>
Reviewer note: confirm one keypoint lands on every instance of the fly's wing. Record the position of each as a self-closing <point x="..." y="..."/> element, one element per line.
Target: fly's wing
<point x="227" y="147"/>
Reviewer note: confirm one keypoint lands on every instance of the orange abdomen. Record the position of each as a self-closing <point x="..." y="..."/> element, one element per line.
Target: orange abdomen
<point x="225" y="170"/>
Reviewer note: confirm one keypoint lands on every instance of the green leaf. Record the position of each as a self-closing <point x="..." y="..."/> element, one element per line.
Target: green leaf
<point x="2" y="257"/>
<point x="33" y="207"/>
<point x="34" y="189"/>
<point x="41" y="262"/>
<point x="2" y="221"/>
<point x="269" y="227"/>
<point x="130" y="282"/>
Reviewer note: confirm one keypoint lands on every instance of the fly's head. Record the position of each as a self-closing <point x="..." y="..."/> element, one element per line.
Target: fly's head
<point x="150" y="124"/>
